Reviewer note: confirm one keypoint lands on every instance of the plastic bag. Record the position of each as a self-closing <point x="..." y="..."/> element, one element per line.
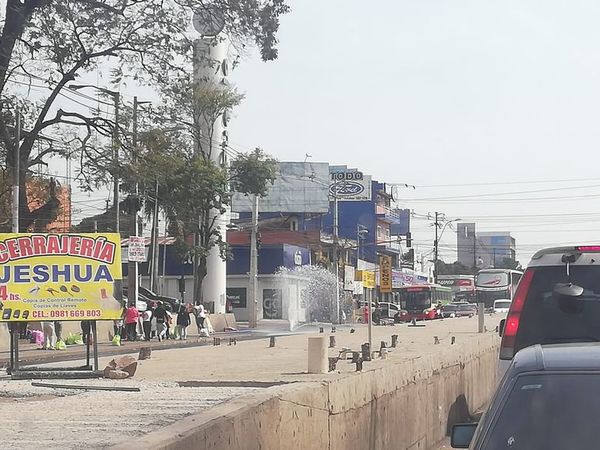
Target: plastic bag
<point x="74" y="339"/>
<point x="60" y="345"/>
<point x="116" y="340"/>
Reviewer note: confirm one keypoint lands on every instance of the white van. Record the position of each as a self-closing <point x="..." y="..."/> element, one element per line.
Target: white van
<point x="502" y="305"/>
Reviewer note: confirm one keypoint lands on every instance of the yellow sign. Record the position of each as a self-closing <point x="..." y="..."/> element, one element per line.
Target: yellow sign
<point x="368" y="279"/>
<point x="385" y="273"/>
<point x="60" y="277"/>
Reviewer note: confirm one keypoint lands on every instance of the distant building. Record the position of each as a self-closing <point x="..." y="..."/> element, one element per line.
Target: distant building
<point x="483" y="249"/>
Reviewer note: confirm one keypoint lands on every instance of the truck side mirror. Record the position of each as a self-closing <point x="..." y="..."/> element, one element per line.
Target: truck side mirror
<point x="501" y="327"/>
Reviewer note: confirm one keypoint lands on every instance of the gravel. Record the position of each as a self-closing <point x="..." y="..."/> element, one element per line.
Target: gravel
<point x="36" y="417"/>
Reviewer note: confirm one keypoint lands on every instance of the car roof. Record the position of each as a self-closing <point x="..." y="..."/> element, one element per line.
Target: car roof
<point x="552" y="256"/>
<point x="556" y="357"/>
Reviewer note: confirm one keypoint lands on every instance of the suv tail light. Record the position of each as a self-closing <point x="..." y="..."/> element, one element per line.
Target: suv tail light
<point x="509" y="337"/>
<point x="589" y="248"/>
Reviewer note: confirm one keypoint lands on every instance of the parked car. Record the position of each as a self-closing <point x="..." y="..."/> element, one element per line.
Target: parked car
<point x="501" y="306"/>
<point x="449" y="310"/>
<point x="545" y="401"/>
<point x="466" y="310"/>
<point x="388" y="310"/>
<point x="557" y="301"/>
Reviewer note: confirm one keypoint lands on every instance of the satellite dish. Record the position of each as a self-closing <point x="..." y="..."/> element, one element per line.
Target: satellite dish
<point x="209" y="21"/>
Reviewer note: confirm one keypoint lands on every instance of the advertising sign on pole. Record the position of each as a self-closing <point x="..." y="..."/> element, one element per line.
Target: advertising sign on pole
<point x="385" y="273"/>
<point x="60" y="277"/>
<point x="349" y="278"/>
<point x="136" y="249"/>
<point x="349" y="185"/>
<point x="368" y="278"/>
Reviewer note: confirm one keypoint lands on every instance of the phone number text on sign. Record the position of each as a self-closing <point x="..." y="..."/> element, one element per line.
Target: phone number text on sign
<point x="62" y="314"/>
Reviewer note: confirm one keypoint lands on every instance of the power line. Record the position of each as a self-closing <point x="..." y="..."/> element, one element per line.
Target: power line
<point x="498" y="183"/>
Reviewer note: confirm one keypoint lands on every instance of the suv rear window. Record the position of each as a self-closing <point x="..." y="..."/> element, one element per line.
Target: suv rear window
<point x="548" y="318"/>
<point x="546" y="411"/>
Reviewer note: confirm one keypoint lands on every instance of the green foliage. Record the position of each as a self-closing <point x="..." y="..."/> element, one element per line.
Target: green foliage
<point x="253" y="173"/>
<point x="47" y="45"/>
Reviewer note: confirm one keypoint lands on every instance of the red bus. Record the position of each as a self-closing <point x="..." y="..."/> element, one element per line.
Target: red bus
<point x="419" y="301"/>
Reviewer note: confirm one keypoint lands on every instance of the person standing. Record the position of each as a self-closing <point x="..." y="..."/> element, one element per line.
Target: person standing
<point x="161" y="318"/>
<point x="49" y="336"/>
<point x="168" y="323"/>
<point x="200" y="314"/>
<point x="147" y="323"/>
<point x="131" y="319"/>
<point x="58" y="329"/>
<point x="183" y="321"/>
<point x="85" y="330"/>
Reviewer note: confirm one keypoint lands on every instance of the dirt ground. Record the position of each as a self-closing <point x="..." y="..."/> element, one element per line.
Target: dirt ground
<point x="34" y="417"/>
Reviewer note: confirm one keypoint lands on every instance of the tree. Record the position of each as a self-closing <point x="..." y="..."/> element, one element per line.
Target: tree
<point x="251" y="174"/>
<point x="45" y="45"/>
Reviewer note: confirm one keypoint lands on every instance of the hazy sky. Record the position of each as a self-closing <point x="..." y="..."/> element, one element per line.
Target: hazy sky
<point x="443" y="93"/>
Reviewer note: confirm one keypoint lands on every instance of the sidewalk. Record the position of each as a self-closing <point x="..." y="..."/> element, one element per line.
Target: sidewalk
<point x="31" y="354"/>
<point x="195" y="376"/>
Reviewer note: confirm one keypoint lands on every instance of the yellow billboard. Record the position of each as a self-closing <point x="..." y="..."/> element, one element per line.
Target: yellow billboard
<point x="385" y="273"/>
<point x="368" y="279"/>
<point x="60" y="277"/>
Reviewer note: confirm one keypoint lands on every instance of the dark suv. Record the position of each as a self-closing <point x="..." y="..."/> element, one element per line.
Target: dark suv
<point x="557" y="301"/>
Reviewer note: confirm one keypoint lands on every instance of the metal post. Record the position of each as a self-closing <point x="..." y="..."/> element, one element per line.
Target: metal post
<point x="480" y="316"/>
<point x="435" y="248"/>
<point x="132" y="269"/>
<point x="370" y="297"/>
<point x="164" y="261"/>
<point x="87" y="350"/>
<point x="95" y="334"/>
<point x="253" y="285"/>
<point x="14" y="336"/>
<point x="336" y="259"/>
<point x="474" y="250"/>
<point x="116" y="163"/>
<point x="16" y="175"/>
<point x="154" y="270"/>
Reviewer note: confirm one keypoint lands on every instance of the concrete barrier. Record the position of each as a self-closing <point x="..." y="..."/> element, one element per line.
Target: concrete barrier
<point x="407" y="404"/>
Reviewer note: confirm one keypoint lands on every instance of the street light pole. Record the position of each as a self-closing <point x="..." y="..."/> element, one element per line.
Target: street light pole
<point x="336" y="258"/>
<point x="116" y="164"/>
<point x="253" y="285"/>
<point x="16" y="175"/>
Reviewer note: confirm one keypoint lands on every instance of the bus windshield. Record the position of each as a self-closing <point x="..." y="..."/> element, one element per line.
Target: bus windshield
<point x="415" y="300"/>
<point x="492" y="279"/>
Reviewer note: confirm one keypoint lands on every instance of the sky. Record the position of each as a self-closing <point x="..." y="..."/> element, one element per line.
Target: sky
<point x="490" y="109"/>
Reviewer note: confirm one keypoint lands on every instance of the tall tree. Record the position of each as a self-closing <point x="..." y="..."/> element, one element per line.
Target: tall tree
<point x="46" y="45"/>
<point x="191" y="188"/>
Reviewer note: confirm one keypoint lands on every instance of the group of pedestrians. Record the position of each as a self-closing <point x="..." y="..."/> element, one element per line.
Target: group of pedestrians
<point x="157" y="321"/>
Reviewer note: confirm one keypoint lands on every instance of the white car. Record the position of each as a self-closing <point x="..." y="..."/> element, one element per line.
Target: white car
<point x="502" y="305"/>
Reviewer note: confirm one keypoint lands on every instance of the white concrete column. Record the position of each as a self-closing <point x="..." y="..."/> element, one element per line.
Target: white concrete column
<point x="210" y="67"/>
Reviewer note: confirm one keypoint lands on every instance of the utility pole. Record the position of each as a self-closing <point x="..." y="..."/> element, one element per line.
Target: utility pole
<point x="16" y="175"/>
<point x="336" y="257"/>
<point x="435" y="248"/>
<point x="13" y="327"/>
<point x="155" y="249"/>
<point x="474" y="250"/>
<point x="132" y="269"/>
<point x="253" y="285"/>
<point x="116" y="97"/>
